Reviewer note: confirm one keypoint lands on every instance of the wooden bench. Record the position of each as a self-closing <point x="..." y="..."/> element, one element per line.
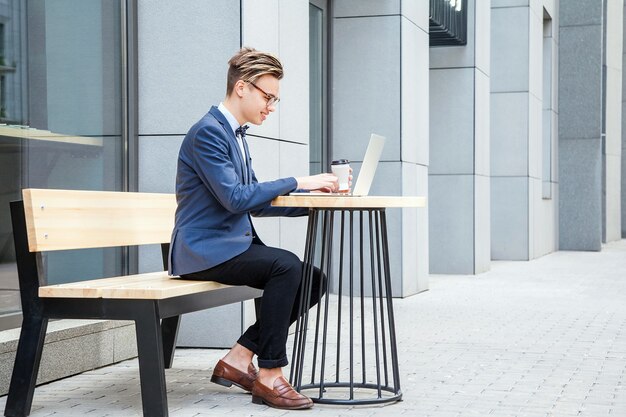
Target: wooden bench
<point x="50" y="220"/>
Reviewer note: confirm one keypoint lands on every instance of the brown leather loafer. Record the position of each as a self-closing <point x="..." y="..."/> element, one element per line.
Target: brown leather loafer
<point x="282" y="396"/>
<point x="226" y="375"/>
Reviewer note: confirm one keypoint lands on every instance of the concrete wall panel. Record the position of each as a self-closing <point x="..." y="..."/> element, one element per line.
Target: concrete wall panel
<point x="509" y="134"/>
<point x="260" y="29"/>
<point x="508" y="3"/>
<point x="414" y="93"/>
<point x="614" y="29"/>
<point x="483" y="37"/>
<point x="417" y="12"/>
<point x="580" y="210"/>
<point x="199" y="329"/>
<point x="535" y="55"/>
<point x="351" y="8"/>
<point x="509" y="49"/>
<point x="366" y="86"/>
<point x="182" y="70"/>
<point x="509" y="218"/>
<point x="451" y="223"/>
<point x="482" y="127"/>
<point x="294" y="54"/>
<point x="482" y="229"/>
<point x="580" y="78"/>
<point x="623" y="138"/>
<point x="535" y="137"/>
<point x="452" y="121"/>
<point x="158" y="157"/>
<point x="623" y="171"/>
<point x="414" y="231"/>
<point x="580" y="12"/>
<point x="613" y="198"/>
<point x="390" y="173"/>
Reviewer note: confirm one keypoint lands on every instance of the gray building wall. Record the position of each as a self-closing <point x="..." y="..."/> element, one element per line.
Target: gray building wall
<point x="580" y="125"/>
<point x="589" y="175"/>
<point x="623" y="200"/>
<point x="523" y="202"/>
<point x="613" y="41"/>
<point x="459" y="150"/>
<point x="380" y="85"/>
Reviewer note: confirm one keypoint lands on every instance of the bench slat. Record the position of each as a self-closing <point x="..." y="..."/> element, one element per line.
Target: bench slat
<point x="116" y="281"/>
<point x="68" y="219"/>
<point x="152" y="286"/>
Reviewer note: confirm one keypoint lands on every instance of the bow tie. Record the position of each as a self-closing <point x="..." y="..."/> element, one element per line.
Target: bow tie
<point x="241" y="131"/>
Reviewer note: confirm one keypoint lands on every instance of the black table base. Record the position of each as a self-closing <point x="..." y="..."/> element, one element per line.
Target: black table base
<point x="364" y="337"/>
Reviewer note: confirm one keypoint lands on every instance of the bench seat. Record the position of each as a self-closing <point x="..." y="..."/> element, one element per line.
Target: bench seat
<point x="149" y="286"/>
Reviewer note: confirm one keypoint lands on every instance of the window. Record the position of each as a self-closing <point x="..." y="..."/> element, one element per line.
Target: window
<point x="62" y="104"/>
<point x="448" y="22"/>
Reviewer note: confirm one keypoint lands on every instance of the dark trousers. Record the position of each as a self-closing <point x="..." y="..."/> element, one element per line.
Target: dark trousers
<point x="279" y="274"/>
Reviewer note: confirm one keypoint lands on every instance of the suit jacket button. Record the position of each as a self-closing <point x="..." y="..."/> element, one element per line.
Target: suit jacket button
<point x="247" y="233"/>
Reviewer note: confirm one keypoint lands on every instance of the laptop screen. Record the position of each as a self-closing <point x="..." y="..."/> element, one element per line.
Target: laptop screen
<point x="370" y="163"/>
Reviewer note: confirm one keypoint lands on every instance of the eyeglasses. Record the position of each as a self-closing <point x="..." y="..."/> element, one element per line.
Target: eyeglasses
<point x="271" y="99"/>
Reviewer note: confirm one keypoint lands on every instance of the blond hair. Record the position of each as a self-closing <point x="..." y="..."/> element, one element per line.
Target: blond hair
<point x="248" y="64"/>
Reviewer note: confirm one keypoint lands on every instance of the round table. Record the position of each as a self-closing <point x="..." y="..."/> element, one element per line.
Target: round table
<point x="364" y="335"/>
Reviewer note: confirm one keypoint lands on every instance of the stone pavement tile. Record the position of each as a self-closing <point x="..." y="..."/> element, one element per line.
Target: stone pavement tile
<point x="566" y="408"/>
<point x="444" y="413"/>
<point x="533" y="410"/>
<point x="121" y="413"/>
<point x="595" y="410"/>
<point x="532" y="413"/>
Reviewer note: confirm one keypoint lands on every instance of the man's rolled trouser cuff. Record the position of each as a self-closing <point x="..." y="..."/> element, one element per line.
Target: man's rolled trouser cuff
<point x="263" y="363"/>
<point x="273" y="363"/>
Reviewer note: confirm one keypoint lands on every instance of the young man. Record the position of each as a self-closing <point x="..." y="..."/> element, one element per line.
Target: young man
<point x="213" y="238"/>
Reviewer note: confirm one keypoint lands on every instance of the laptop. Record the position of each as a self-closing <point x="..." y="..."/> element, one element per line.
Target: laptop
<point x="366" y="174"/>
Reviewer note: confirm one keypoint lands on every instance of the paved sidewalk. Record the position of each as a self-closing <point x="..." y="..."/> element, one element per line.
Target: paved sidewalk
<point x="539" y="338"/>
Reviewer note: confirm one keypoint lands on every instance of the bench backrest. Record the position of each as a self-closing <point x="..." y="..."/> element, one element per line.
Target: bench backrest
<point x="69" y="219"/>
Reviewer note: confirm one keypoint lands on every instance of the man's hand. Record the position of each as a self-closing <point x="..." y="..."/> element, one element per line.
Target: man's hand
<point x="322" y="182"/>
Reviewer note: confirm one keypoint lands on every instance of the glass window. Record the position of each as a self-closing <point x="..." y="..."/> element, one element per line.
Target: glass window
<point x="61" y="119"/>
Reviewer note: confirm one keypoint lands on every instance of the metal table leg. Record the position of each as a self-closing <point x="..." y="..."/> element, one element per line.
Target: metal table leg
<point x="371" y="346"/>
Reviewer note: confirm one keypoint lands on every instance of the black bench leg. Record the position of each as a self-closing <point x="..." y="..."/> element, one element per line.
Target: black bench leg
<point x="151" y="364"/>
<point x="26" y="366"/>
<point x="169" y="331"/>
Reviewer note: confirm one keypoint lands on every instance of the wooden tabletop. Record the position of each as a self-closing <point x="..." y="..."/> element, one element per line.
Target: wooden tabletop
<point x="319" y="201"/>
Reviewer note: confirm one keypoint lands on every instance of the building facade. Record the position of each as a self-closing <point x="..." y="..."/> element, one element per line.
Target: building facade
<point x="513" y="130"/>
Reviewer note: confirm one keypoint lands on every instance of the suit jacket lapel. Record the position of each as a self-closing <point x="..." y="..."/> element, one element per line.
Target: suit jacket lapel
<point x="247" y="163"/>
<point x="231" y="135"/>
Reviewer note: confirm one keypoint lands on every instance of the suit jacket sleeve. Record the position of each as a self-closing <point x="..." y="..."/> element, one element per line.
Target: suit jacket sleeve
<point x="215" y="168"/>
<point x="269" y="211"/>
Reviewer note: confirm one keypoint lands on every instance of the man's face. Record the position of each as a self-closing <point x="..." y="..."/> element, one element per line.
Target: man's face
<point x="256" y="97"/>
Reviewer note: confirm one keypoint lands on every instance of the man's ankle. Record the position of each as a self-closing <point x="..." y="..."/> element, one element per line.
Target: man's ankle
<point x="267" y="376"/>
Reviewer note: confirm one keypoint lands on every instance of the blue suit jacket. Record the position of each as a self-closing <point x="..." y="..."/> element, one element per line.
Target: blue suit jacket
<point x="214" y="204"/>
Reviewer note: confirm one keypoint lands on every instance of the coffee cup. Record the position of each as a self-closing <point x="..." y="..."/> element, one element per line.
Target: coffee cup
<point x="341" y="169"/>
